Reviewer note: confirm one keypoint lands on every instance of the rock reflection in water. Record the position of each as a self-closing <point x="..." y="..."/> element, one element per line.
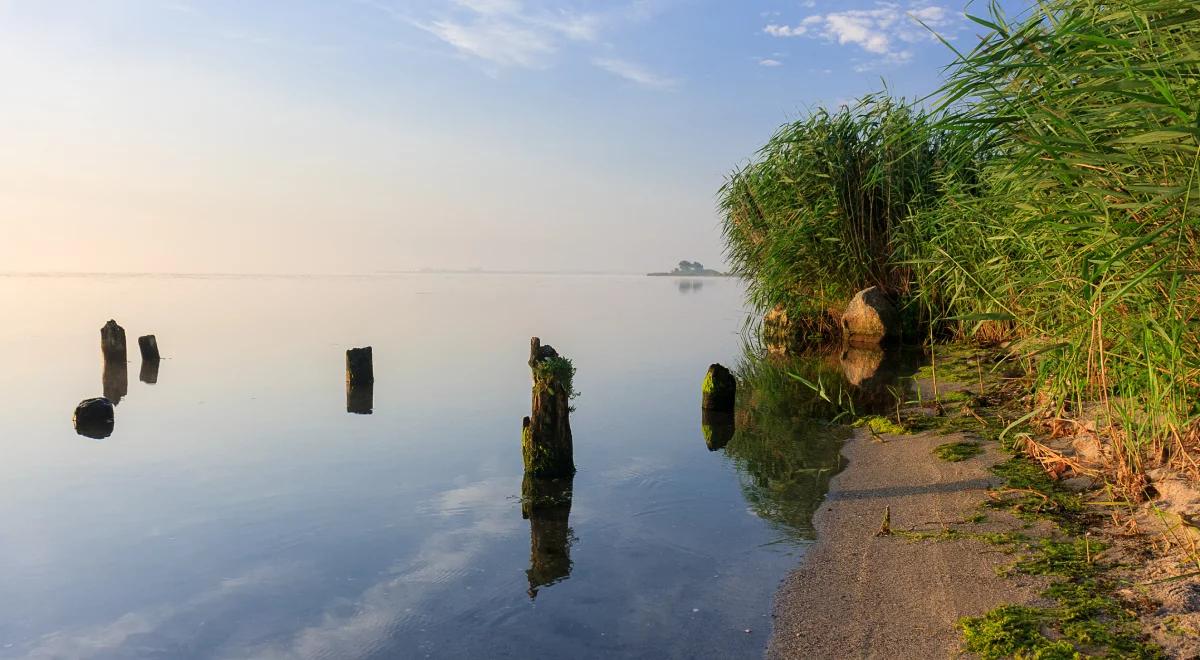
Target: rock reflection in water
<point x="546" y="504"/>
<point x="115" y="380"/>
<point x="788" y="441"/>
<point x="874" y="375"/>
<point x="149" y="372"/>
<point x="688" y="286"/>
<point x="360" y="398"/>
<point x="718" y="428"/>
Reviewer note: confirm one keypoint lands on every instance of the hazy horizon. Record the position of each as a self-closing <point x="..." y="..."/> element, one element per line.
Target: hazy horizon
<point x="361" y="136"/>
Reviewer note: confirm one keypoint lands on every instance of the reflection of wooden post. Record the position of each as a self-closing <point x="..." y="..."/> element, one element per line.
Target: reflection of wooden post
<point x="149" y="348"/>
<point x="546" y="504"/>
<point x="115" y="380"/>
<point x="112" y="342"/>
<point x="719" y="389"/>
<point x="546" y="443"/>
<point x="718" y="428"/>
<point x="149" y="372"/>
<point x="360" y="399"/>
<point x="359" y="369"/>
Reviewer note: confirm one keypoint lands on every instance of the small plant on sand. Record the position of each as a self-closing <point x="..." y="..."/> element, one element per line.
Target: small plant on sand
<point x="880" y="425"/>
<point x="955" y="452"/>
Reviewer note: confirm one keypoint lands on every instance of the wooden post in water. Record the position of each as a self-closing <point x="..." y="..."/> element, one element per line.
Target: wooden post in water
<point x="719" y="390"/>
<point x="359" y="367"/>
<point x="360" y="381"/>
<point x="148" y="345"/>
<point x="94" y="418"/>
<point x="112" y="342"/>
<point x="546" y="434"/>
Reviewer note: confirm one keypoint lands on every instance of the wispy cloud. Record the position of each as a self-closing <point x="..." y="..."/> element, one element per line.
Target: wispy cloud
<point x="635" y="73"/>
<point x="499" y="42"/>
<point x="766" y="61"/>
<point x="885" y="32"/>
<point x="513" y="34"/>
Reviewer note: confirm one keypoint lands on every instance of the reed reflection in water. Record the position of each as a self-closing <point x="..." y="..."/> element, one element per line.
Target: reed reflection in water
<point x="788" y="438"/>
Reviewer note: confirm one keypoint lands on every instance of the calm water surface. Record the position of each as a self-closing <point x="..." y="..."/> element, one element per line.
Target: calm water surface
<point x="238" y="510"/>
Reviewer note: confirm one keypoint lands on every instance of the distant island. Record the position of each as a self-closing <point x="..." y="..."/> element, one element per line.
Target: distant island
<point x="690" y="269"/>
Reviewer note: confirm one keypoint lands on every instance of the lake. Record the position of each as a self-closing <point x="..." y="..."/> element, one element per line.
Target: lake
<point x="239" y="510"/>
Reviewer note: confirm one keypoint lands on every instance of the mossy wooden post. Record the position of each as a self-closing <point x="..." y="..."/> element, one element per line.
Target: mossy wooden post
<point x="719" y="390"/>
<point x="546" y="433"/>
<point x="112" y="342"/>
<point x="148" y="345"/>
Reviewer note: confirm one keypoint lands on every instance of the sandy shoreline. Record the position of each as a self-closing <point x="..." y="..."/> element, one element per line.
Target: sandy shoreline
<point x="859" y="595"/>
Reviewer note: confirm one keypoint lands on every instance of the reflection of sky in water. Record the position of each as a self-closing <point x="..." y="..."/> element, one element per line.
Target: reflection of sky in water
<point x="238" y="510"/>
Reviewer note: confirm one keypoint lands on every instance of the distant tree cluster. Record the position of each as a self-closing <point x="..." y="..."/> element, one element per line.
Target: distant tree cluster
<point x="690" y="267"/>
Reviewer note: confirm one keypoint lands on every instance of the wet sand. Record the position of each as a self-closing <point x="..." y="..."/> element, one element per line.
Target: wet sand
<point x="859" y="595"/>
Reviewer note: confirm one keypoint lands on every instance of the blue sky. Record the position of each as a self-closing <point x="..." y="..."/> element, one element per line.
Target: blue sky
<point x="367" y="135"/>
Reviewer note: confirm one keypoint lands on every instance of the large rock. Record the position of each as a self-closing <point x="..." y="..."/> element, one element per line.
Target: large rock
<point x="871" y="318"/>
<point x="94" y="418"/>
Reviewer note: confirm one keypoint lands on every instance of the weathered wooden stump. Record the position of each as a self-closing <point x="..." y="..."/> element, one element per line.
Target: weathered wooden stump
<point x="115" y="380"/>
<point x="148" y="345"/>
<point x="149" y="372"/>
<point x="359" y="367"/>
<point x="112" y="342"/>
<point x="546" y="504"/>
<point x="360" y="398"/>
<point x="718" y="428"/>
<point x="546" y="443"/>
<point x="94" y="418"/>
<point x="719" y="389"/>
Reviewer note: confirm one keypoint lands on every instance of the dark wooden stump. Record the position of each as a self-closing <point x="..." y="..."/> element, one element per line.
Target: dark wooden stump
<point x="546" y="504"/>
<point x="360" y="398"/>
<point x="94" y="418"/>
<point x="115" y="380"/>
<point x="719" y="389"/>
<point x="546" y="443"/>
<point x="718" y="428"/>
<point x="112" y="342"/>
<point x="359" y="367"/>
<point x="148" y="345"/>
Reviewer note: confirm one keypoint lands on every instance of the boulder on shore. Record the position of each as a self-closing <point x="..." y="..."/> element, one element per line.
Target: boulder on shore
<point x="871" y="318"/>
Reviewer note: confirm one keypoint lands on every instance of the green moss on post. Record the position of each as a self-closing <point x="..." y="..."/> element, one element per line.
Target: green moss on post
<point x="546" y="443"/>
<point x="719" y="389"/>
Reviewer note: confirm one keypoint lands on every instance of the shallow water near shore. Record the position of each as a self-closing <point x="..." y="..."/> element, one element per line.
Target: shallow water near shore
<point x="239" y="509"/>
